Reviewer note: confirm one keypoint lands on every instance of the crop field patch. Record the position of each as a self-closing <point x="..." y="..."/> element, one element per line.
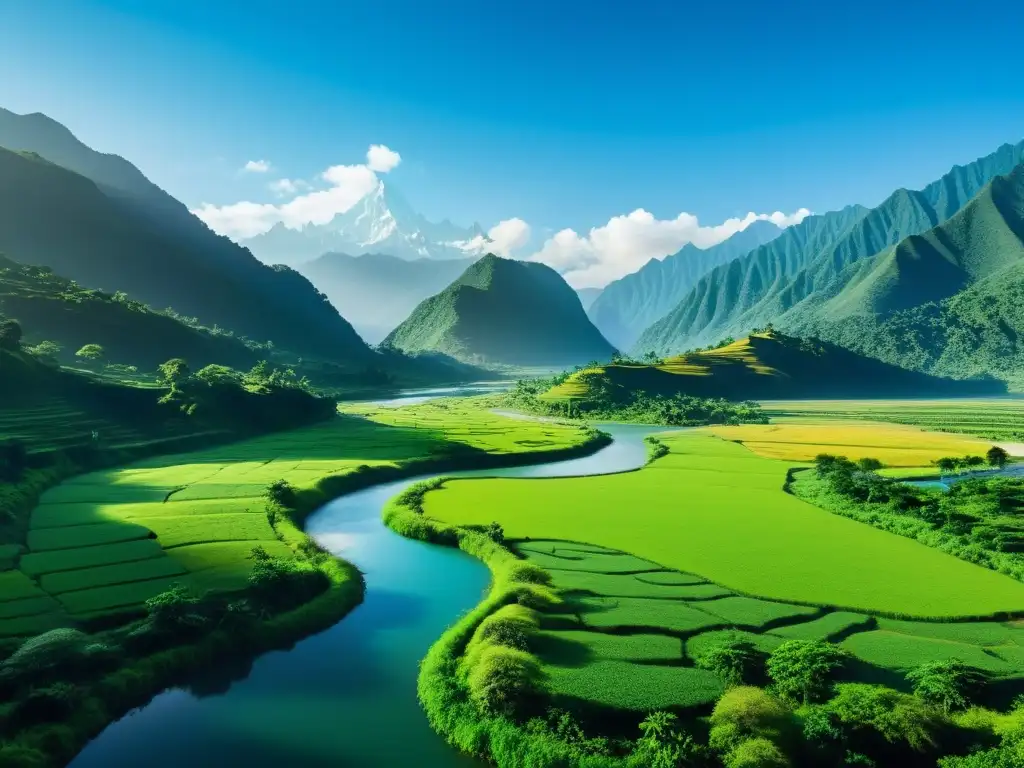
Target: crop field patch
<point x="741" y="535"/>
<point x="105" y="599"/>
<point x="569" y="648"/>
<point x="640" y="688"/>
<point x="104" y="575"/>
<point x="698" y="645"/>
<point x="15" y="585"/>
<point x="22" y="626"/>
<point x="669" y="578"/>
<point x="199" y="557"/>
<point x="974" y="633"/>
<point x="893" y="650"/>
<point x="597" y="562"/>
<point x="28" y="606"/>
<point x="73" y="536"/>
<point x="893" y="444"/>
<point x="667" y="615"/>
<point x="174" y="531"/>
<point x="38" y="563"/>
<point x="750" y="612"/>
<point x="629" y="586"/>
<point x="829" y="626"/>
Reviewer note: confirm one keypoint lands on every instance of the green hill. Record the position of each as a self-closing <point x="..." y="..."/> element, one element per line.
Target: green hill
<point x="762" y="366"/>
<point x="97" y="220"/>
<point x="758" y="288"/>
<point x="53" y="308"/>
<point x="949" y="301"/>
<point x="379" y="291"/>
<point x="628" y="305"/>
<point x="506" y="312"/>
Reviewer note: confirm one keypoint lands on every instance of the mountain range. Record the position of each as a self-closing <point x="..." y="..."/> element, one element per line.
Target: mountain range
<point x="812" y="257"/>
<point x="96" y="219"/>
<point x="381" y="222"/>
<point x="628" y="305"/>
<point x="505" y="312"/>
<point x="379" y="291"/>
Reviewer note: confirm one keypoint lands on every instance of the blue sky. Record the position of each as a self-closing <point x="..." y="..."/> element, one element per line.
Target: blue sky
<point x="564" y="114"/>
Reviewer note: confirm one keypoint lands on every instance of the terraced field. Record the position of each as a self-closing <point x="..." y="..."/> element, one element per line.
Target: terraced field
<point x="713" y="508"/>
<point x="895" y="445"/>
<point x="629" y="634"/>
<point x="107" y="541"/>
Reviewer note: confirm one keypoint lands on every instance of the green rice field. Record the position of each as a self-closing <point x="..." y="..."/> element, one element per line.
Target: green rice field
<point x="109" y="540"/>
<point x="717" y="510"/>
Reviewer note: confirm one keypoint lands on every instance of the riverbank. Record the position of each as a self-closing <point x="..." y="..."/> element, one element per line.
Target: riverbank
<point x="322" y="463"/>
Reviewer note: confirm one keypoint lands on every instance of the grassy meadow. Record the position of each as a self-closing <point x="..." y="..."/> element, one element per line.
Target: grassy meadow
<point x="713" y="508"/>
<point x="107" y="541"/>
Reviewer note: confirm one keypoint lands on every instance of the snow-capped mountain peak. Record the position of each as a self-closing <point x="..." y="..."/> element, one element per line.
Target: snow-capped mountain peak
<point x="381" y="222"/>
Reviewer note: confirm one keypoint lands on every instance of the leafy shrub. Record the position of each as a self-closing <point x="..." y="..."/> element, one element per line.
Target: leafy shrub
<point x="176" y="611"/>
<point x="57" y="652"/>
<point x="278" y="583"/>
<point x="527" y="573"/>
<point x="866" y="712"/>
<point x="281" y="492"/>
<point x="496" y="533"/>
<point x="511" y="627"/>
<point x="756" y="753"/>
<point x="502" y="679"/>
<point x="735" y="661"/>
<point x="46" y="705"/>
<point x="10" y="334"/>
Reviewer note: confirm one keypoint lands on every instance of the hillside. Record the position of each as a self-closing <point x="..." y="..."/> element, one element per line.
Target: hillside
<point x="762" y="366"/>
<point x="379" y="291"/>
<point x="628" y="305"/>
<point x="506" y="312"/>
<point x="949" y="301"/>
<point x="97" y="220"/>
<point x="52" y="308"/>
<point x="759" y="287"/>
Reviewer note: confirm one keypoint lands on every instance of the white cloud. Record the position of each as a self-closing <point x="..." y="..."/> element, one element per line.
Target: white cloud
<point x="257" y="166"/>
<point x="626" y="243"/>
<point x="285" y="187"/>
<point x="381" y="159"/>
<point x="347" y="185"/>
<point x="503" y="238"/>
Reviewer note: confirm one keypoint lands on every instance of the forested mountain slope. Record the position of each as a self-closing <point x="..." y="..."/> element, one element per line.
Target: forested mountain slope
<point x="51" y="216"/>
<point x="502" y="311"/>
<point x="759" y="287"/>
<point x="628" y="305"/>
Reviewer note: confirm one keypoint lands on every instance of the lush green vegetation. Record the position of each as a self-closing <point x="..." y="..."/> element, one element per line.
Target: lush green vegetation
<point x="226" y="551"/>
<point x="480" y="318"/>
<point x="823" y="254"/>
<point x="766" y="364"/>
<point x="551" y="633"/>
<point x="713" y="508"/>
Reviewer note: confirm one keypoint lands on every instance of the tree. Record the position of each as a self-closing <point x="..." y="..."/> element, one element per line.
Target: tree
<point x="868" y="464"/>
<point x="947" y="463"/>
<point x="174" y="372"/>
<point x="91" y="353"/>
<point x="10" y="335"/>
<point x="48" y="350"/>
<point x="658" y="726"/>
<point x="735" y="661"/>
<point x="949" y="685"/>
<point x="997" y="457"/>
<point x="805" y="669"/>
<point x="218" y="375"/>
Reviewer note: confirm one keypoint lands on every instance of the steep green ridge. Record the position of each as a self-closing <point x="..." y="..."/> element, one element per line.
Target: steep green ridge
<point x="759" y="287"/>
<point x="101" y="222"/>
<point x="53" y="308"/>
<point x="502" y="311"/>
<point x="763" y="366"/>
<point x="628" y="305"/>
<point x="949" y="301"/>
<point x="379" y="291"/>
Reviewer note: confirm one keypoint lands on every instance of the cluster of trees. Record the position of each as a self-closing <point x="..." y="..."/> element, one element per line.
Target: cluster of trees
<point x="996" y="457"/>
<point x="977" y="519"/>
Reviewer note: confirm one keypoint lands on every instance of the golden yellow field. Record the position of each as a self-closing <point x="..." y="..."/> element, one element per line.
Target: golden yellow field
<point x="895" y="445"/>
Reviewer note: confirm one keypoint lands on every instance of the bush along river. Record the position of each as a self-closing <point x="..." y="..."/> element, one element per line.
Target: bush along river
<point x="346" y="696"/>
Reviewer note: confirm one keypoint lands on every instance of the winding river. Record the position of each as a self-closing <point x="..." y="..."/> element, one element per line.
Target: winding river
<point x="346" y="696"/>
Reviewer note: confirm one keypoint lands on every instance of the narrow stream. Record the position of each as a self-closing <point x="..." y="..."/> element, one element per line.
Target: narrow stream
<point x="347" y="696"/>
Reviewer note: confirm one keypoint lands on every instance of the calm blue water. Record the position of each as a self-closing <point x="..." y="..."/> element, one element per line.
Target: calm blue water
<point x="347" y="696"/>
